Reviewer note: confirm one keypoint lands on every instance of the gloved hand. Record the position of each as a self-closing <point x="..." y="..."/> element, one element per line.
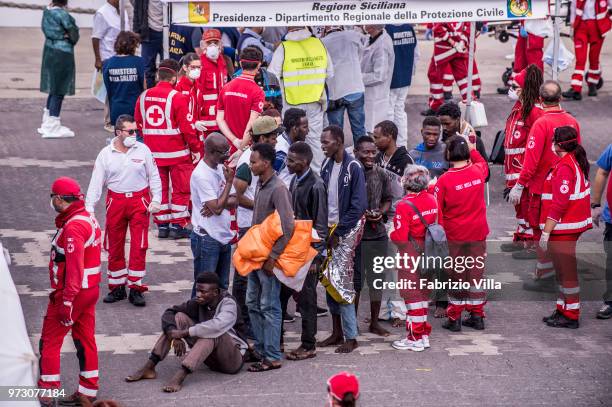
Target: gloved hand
<point x="91" y="210"/>
<point x="460" y="47"/>
<point x="65" y="313"/>
<point x="596" y="215"/>
<point x="523" y="32"/>
<point x="514" y="197"/>
<point x="506" y="193"/>
<point x="154" y="207"/>
<point x="195" y="157"/>
<point x="544" y="241"/>
<point x="199" y="125"/>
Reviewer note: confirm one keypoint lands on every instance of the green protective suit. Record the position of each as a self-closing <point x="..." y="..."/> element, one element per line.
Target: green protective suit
<point x="57" y="74"/>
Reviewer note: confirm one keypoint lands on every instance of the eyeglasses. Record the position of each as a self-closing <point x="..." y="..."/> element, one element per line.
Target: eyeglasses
<point x="515" y="87"/>
<point x="130" y="132"/>
<point x="223" y="152"/>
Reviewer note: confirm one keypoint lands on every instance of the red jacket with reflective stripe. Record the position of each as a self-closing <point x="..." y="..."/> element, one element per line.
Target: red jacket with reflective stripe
<point x="601" y="15"/>
<point x="190" y="91"/>
<point x="443" y="32"/>
<point x="75" y="252"/>
<point x="515" y="140"/>
<point x="162" y="115"/>
<point x="566" y="198"/>
<point x="539" y="157"/>
<point x="210" y="82"/>
<point x="407" y="224"/>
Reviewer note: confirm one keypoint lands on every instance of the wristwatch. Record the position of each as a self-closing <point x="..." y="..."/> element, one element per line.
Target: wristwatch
<point x="595" y="205"/>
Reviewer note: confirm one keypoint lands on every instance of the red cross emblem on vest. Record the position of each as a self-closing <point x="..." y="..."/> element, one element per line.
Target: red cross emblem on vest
<point x="155" y="116"/>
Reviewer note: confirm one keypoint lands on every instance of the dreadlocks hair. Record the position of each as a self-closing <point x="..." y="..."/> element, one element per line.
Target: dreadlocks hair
<point x="531" y="91"/>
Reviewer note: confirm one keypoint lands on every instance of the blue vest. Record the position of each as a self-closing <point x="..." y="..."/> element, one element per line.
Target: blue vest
<point x="404" y="44"/>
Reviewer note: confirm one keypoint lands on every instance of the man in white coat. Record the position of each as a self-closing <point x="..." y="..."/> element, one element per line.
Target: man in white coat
<point x="377" y="67"/>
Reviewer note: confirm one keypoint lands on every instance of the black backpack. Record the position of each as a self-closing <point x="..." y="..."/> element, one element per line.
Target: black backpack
<point x="435" y="251"/>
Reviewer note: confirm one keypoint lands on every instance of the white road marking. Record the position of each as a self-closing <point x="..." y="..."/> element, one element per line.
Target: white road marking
<point x="19" y="162"/>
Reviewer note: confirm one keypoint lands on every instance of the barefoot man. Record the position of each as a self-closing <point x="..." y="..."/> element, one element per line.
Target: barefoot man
<point x="209" y="324"/>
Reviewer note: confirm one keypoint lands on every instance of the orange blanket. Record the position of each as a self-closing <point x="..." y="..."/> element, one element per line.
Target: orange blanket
<point x="255" y="246"/>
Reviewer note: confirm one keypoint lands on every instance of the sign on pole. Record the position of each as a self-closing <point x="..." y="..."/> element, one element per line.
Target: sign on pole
<point x="236" y="13"/>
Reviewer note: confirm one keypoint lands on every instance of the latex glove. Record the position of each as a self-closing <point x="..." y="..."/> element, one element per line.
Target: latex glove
<point x="199" y="125"/>
<point x="596" y="215"/>
<point x="544" y="241"/>
<point x="91" y="210"/>
<point x="154" y="207"/>
<point x="460" y="47"/>
<point x="514" y="197"/>
<point x="65" y="313"/>
<point x="195" y="157"/>
<point x="523" y="32"/>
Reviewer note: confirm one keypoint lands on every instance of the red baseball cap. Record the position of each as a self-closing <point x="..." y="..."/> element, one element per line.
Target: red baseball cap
<point x="66" y="186"/>
<point x="342" y="383"/>
<point x="520" y="78"/>
<point x="212" y="34"/>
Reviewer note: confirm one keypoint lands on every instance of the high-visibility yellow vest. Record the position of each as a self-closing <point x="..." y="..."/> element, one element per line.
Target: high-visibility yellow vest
<point x="304" y="70"/>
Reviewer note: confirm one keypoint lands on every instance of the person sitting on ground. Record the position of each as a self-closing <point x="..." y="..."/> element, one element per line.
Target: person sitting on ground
<point x="210" y="324"/>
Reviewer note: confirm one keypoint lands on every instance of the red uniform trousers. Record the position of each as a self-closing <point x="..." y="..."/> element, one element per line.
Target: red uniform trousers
<point x="474" y="299"/>
<point x="528" y="51"/>
<point x="417" y="302"/>
<point x="123" y="211"/>
<point x="83" y="329"/>
<point x="544" y="265"/>
<point x="175" y="198"/>
<point x="448" y="79"/>
<point x="524" y="232"/>
<point x="562" y="249"/>
<point x="587" y="39"/>
<point x="458" y="67"/>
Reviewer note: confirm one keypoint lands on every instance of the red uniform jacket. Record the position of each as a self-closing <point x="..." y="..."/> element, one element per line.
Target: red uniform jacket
<point x="210" y="82"/>
<point x="189" y="89"/>
<point x="407" y="223"/>
<point x="515" y="140"/>
<point x="566" y="198"/>
<point x="75" y="252"/>
<point x="443" y="32"/>
<point x="162" y="116"/>
<point x="601" y="15"/>
<point x="461" y="201"/>
<point x="539" y="156"/>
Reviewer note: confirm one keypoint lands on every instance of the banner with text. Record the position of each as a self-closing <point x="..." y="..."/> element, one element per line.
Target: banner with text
<point x="259" y="13"/>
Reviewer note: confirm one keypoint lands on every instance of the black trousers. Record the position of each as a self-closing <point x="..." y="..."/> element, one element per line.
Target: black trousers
<point x="239" y="289"/>
<point x="307" y="306"/>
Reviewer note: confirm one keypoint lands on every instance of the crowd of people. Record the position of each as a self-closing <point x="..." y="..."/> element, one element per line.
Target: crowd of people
<point x="240" y="147"/>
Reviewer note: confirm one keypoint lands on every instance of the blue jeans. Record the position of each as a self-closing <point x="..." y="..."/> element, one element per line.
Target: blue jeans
<point x="347" y="315"/>
<point x="263" y="300"/>
<point x="54" y="104"/>
<point x="354" y="105"/>
<point x="149" y="52"/>
<point x="210" y="255"/>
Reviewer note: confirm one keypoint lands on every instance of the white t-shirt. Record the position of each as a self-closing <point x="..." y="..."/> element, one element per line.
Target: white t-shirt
<point x="208" y="184"/>
<point x="282" y="146"/>
<point x="106" y="28"/>
<point x="332" y="195"/>
<point x="245" y="215"/>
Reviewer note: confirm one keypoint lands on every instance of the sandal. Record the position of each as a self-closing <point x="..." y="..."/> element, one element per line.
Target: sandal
<point x="263" y="366"/>
<point x="301" y="354"/>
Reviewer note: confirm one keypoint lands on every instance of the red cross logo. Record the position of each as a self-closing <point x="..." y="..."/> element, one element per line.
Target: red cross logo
<point x="155" y="115"/>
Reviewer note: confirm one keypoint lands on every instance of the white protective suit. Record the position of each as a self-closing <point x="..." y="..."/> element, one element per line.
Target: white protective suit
<point x="377" y="68"/>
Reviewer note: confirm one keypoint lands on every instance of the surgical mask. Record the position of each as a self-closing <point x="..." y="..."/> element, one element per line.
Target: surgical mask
<point x="51" y="204"/>
<point x="512" y="94"/>
<point x="129" y="141"/>
<point x="212" y="52"/>
<point x="195" y="73"/>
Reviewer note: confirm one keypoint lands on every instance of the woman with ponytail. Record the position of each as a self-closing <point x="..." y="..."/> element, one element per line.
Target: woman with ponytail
<point x="525" y="91"/>
<point x="565" y="214"/>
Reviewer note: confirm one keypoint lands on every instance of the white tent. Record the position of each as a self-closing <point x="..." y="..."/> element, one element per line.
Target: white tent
<point x="18" y="363"/>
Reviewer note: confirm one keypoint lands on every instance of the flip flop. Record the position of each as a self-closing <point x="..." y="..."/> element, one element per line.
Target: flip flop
<point x="263" y="366"/>
<point x="301" y="354"/>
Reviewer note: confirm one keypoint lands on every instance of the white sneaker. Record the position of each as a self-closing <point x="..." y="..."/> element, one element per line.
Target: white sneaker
<point x="53" y="128"/>
<point x="425" y="339"/>
<point x="406" y="344"/>
<point x="45" y="118"/>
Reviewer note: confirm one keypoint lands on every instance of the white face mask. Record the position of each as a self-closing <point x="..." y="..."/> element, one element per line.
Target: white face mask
<point x="212" y="51"/>
<point x="51" y="204"/>
<point x="194" y="73"/>
<point x="129" y="141"/>
<point x="513" y="94"/>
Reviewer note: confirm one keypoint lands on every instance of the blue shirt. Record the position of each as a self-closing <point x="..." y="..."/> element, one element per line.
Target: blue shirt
<point x="182" y="39"/>
<point x="124" y="81"/>
<point x="605" y="163"/>
<point x="404" y="44"/>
